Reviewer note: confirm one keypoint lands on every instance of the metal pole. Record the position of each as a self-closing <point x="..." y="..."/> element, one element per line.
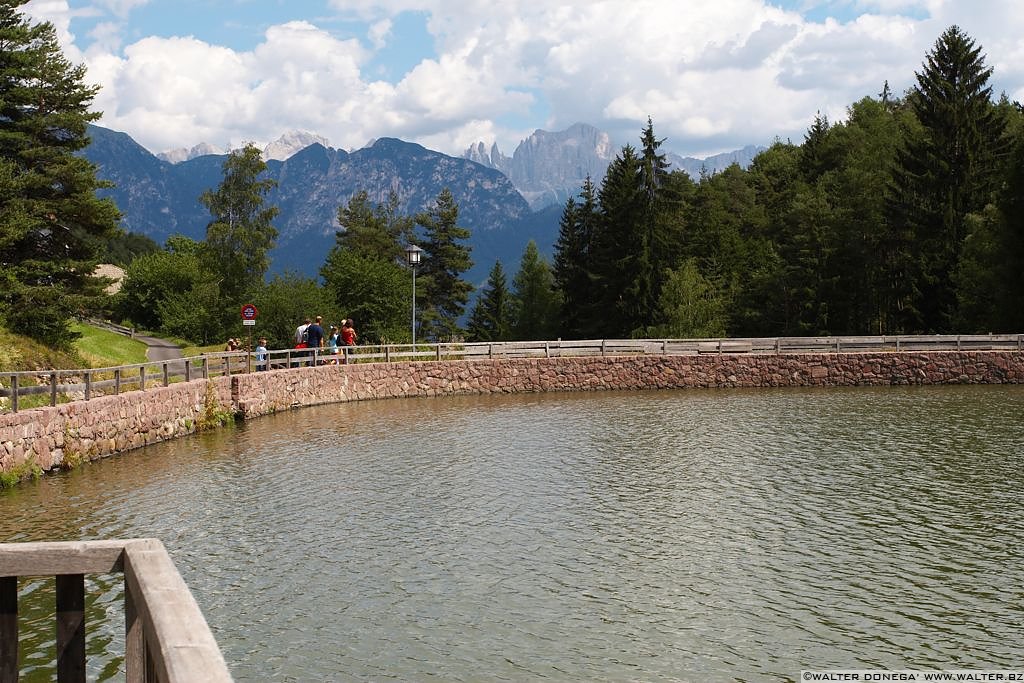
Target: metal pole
<point x="414" y="309"/>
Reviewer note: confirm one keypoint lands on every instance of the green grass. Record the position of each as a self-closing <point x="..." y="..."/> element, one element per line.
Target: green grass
<point x="189" y="351"/>
<point x="18" y="353"/>
<point x="103" y="349"/>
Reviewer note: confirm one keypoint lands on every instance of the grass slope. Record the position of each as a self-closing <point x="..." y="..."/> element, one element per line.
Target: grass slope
<point x="96" y="348"/>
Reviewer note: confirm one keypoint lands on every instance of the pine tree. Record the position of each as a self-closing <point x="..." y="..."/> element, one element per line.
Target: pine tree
<point x="446" y="258"/>
<point x="373" y="230"/>
<point x="943" y="173"/>
<point x="621" y="266"/>
<point x="660" y="221"/>
<point x="573" y="264"/>
<point x="52" y="225"/>
<point x="241" y="235"/>
<point x="536" y="300"/>
<point x="491" y="318"/>
<point x="363" y="272"/>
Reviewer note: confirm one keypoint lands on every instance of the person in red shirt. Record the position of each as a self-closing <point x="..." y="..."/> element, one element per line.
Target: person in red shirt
<point x="348" y="335"/>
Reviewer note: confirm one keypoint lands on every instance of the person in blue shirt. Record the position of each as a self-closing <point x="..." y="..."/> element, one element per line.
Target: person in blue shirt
<point x="315" y="335"/>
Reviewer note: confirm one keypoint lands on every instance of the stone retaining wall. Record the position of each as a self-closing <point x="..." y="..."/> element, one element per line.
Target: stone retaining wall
<point x="62" y="436"/>
<point x="66" y="434"/>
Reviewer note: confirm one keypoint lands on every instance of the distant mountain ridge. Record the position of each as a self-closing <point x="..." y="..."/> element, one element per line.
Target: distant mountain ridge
<point x="287" y="145"/>
<point x="549" y="167"/>
<point x="158" y="198"/>
<point x="504" y="201"/>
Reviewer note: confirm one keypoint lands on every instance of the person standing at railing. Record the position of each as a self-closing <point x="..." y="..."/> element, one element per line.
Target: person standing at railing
<point x="315" y="336"/>
<point x="332" y="343"/>
<point x="348" y="335"/>
<point x="300" y="334"/>
<point x="261" y="354"/>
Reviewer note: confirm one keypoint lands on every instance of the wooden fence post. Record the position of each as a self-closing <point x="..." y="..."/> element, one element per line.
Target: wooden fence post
<point x="117" y="381"/>
<point x="134" y="637"/>
<point x="53" y="388"/>
<point x="8" y="629"/>
<point x="14" y="393"/>
<point x="71" y="628"/>
<point x="88" y="385"/>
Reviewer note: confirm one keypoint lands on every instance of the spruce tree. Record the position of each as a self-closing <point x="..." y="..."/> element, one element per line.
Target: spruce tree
<point x="52" y="225"/>
<point x="536" y="299"/>
<point x="573" y="262"/>
<point x="446" y="258"/>
<point x="621" y="265"/>
<point x="374" y="230"/>
<point x="945" y="171"/>
<point x="364" y="271"/>
<point x="491" y="318"/>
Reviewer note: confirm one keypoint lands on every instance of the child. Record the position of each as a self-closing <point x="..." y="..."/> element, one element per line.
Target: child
<point x="261" y="354"/>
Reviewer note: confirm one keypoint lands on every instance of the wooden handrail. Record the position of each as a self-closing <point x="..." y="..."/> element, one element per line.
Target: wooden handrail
<point x="167" y="640"/>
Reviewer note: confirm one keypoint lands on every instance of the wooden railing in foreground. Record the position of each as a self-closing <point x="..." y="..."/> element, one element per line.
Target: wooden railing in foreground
<point x="74" y="384"/>
<point x="167" y="640"/>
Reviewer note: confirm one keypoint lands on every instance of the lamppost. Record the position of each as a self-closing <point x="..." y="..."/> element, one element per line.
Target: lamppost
<point x="413" y="254"/>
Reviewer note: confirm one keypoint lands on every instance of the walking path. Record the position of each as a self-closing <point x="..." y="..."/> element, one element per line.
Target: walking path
<point x="160" y="349"/>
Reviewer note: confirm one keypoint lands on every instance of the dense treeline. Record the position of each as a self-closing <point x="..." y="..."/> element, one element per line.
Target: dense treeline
<point x="907" y="217"/>
<point x="902" y="219"/>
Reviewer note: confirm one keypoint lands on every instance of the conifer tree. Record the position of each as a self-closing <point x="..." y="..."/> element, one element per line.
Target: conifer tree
<point x="943" y="173"/>
<point x="573" y="263"/>
<point x="52" y="225"/>
<point x="536" y="300"/>
<point x="621" y="264"/>
<point x="446" y="258"/>
<point x="374" y="230"/>
<point x="363" y="272"/>
<point x="491" y="318"/>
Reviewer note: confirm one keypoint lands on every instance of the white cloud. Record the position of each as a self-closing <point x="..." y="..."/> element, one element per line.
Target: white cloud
<point x="713" y="76"/>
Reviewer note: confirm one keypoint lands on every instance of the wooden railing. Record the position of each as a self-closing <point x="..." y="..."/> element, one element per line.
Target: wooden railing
<point x="167" y="640"/>
<point x="99" y="381"/>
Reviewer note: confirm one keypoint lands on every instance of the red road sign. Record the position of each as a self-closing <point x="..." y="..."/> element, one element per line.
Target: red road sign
<point x="249" y="312"/>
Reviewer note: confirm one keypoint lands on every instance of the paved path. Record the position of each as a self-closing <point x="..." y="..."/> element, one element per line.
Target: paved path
<point x="161" y="350"/>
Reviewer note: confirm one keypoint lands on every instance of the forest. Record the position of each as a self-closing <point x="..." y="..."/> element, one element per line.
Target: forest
<point x="903" y="217"/>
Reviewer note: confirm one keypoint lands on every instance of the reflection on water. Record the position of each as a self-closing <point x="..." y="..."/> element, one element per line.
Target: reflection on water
<point x="693" y="535"/>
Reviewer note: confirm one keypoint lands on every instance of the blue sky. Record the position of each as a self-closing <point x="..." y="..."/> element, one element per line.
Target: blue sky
<point x="714" y="75"/>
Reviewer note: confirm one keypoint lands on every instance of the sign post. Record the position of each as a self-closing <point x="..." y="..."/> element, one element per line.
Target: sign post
<point x="249" y="313"/>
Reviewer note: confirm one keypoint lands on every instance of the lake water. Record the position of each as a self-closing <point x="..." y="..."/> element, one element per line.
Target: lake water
<point x="651" y="536"/>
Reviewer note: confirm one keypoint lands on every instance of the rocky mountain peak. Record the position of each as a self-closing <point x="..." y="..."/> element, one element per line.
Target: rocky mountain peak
<point x="291" y="142"/>
<point x="176" y="156"/>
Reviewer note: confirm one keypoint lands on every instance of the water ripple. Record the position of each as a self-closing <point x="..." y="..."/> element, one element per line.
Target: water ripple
<point x="656" y="536"/>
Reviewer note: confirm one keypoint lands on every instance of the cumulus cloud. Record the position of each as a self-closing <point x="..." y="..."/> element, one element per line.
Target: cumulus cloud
<point x="713" y="76"/>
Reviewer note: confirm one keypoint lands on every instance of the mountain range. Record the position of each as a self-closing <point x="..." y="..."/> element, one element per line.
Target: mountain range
<point x="504" y="201"/>
<point x="549" y="167"/>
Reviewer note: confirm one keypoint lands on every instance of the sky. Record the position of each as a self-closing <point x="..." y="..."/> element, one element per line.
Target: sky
<point x="713" y="75"/>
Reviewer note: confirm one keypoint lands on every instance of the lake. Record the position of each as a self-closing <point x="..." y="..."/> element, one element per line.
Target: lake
<point x="704" y="535"/>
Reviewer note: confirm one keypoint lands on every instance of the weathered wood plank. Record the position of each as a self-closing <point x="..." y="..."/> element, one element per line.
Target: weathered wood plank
<point x="60" y="557"/>
<point x="182" y="648"/>
<point x="134" y="640"/>
<point x="71" y="628"/>
<point x="9" y="629"/>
